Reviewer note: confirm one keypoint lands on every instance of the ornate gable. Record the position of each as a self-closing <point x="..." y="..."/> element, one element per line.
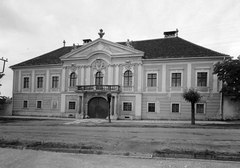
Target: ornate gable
<point x="102" y="46"/>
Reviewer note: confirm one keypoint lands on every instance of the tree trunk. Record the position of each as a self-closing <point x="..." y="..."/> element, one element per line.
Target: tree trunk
<point x="109" y="118"/>
<point x="193" y="114"/>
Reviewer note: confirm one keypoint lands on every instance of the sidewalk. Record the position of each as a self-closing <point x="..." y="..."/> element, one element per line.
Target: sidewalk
<point x="74" y="121"/>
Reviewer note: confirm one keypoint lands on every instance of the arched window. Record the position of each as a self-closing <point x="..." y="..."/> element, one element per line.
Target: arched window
<point x="73" y="78"/>
<point x="99" y="78"/>
<point x="128" y="78"/>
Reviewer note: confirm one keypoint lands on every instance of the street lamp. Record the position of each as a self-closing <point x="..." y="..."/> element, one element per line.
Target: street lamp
<point x="4" y="61"/>
<point x="109" y="96"/>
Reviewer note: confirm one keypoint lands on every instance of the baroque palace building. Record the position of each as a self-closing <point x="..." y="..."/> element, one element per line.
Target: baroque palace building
<point x="145" y="78"/>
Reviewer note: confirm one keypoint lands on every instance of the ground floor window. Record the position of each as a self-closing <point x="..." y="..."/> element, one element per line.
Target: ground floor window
<point x="39" y="104"/>
<point x="127" y="106"/>
<point x="25" y="104"/>
<point x="151" y="107"/>
<point x="54" y="104"/>
<point x="200" y="109"/>
<point x="72" y="105"/>
<point x="175" y="107"/>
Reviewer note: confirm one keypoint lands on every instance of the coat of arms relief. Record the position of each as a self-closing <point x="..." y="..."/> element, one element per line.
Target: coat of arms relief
<point x="99" y="64"/>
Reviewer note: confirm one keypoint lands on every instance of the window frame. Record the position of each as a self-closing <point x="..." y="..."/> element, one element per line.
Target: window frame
<point x="75" y="105"/>
<point x="196" y="77"/>
<point x="42" y="82"/>
<point x="204" y="108"/>
<point x="26" y="82"/>
<point x="38" y="104"/>
<point x="127" y="102"/>
<point x="99" y="79"/>
<point x="129" y="79"/>
<point x="53" y="81"/>
<point x="154" y="107"/>
<point x="179" y="107"/>
<point x="52" y="104"/>
<point x="24" y="104"/>
<point x="151" y="72"/>
<point x="73" y="79"/>
<point x="171" y="79"/>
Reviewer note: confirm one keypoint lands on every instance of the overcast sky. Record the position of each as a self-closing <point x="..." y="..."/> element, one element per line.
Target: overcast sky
<point x="29" y="28"/>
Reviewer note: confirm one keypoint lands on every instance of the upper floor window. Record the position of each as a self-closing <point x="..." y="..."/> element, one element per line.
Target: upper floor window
<point x="55" y="81"/>
<point x="151" y="80"/>
<point x="176" y="80"/>
<point x="128" y="78"/>
<point x="73" y="79"/>
<point x="201" y="78"/>
<point x="39" y="82"/>
<point x="99" y="78"/>
<point x="26" y="82"/>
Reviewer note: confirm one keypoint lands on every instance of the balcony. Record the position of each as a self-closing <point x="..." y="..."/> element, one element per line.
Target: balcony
<point x="98" y="88"/>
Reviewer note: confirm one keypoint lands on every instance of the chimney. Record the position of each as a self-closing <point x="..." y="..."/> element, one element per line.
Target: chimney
<point x="171" y="34"/>
<point x="86" y="41"/>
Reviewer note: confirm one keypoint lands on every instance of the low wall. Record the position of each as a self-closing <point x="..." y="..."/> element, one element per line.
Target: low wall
<point x="231" y="109"/>
<point x="6" y="109"/>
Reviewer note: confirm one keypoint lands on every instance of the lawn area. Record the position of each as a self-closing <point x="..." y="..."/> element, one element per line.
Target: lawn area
<point x="121" y="138"/>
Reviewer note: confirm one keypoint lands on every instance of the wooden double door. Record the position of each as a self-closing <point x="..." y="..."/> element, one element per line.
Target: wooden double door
<point x="98" y="108"/>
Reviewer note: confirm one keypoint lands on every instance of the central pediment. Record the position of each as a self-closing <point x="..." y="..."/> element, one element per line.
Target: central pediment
<point x="102" y="46"/>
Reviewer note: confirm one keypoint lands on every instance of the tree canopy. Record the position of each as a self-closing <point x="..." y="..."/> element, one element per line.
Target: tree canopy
<point x="228" y="71"/>
<point x="191" y="95"/>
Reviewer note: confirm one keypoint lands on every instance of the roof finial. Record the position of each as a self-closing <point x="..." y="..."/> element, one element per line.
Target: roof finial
<point x="101" y="33"/>
<point x="64" y="42"/>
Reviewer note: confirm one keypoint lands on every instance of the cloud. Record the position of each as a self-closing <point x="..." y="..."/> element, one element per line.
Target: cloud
<point x="11" y="19"/>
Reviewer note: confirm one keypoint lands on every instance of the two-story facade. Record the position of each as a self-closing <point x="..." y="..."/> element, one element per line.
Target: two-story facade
<point x="146" y="79"/>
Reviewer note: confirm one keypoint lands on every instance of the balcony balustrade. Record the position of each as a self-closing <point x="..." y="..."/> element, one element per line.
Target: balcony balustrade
<point x="101" y="88"/>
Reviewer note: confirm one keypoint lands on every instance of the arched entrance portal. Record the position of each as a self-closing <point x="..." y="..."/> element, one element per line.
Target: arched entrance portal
<point x="98" y="108"/>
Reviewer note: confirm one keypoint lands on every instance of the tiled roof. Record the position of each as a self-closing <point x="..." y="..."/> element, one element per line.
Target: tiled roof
<point x="174" y="47"/>
<point x="52" y="57"/>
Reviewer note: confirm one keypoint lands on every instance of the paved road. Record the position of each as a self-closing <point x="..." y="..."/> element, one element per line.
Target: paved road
<point x="13" y="158"/>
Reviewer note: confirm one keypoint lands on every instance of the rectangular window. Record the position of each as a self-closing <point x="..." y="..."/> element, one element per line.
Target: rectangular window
<point x="151" y="80"/>
<point x="127" y="106"/>
<point x="55" y="80"/>
<point x="176" y="79"/>
<point x="25" y="104"/>
<point x="175" y="108"/>
<point x="39" y="82"/>
<point x="72" y="105"/>
<point x="39" y="104"/>
<point x="202" y="79"/>
<point x="151" y="107"/>
<point x="200" y="108"/>
<point x="26" y="82"/>
<point x="54" y="104"/>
